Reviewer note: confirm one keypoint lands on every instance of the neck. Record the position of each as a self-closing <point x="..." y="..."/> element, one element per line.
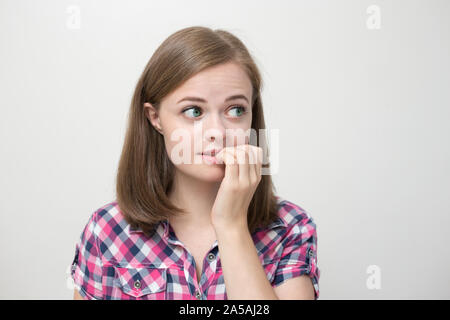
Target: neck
<point x="196" y="197"/>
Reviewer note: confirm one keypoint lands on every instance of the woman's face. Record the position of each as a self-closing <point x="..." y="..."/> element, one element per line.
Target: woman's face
<point x="200" y="115"/>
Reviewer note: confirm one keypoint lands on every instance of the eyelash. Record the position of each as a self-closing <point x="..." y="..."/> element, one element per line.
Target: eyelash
<point x="244" y="110"/>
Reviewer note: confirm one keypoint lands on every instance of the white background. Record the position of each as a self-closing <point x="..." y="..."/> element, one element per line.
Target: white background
<point x="363" y="117"/>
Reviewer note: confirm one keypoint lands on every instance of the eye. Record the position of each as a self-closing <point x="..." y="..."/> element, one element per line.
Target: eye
<point x="240" y="110"/>
<point x="192" y="110"/>
<point x="195" y="112"/>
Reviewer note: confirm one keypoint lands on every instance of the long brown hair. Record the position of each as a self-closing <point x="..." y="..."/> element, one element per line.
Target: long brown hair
<point x="145" y="172"/>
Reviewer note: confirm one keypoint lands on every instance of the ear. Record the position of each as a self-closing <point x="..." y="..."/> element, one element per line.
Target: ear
<point x="152" y="115"/>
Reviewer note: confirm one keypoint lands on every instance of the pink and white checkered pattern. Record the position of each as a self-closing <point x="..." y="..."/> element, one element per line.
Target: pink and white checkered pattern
<point x="114" y="261"/>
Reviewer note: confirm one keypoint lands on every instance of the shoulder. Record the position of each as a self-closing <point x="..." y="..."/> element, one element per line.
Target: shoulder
<point x="117" y="241"/>
<point x="294" y="217"/>
<point x="107" y="221"/>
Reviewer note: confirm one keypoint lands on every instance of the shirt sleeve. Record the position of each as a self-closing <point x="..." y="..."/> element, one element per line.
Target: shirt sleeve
<point x="86" y="268"/>
<point x="299" y="255"/>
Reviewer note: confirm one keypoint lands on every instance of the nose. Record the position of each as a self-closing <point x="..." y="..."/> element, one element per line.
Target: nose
<point x="214" y="128"/>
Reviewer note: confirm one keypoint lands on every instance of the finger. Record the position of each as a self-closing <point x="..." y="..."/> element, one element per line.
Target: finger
<point x="224" y="155"/>
<point x="243" y="160"/>
<point x="253" y="155"/>
<point x="253" y="165"/>
<point x="260" y="156"/>
<point x="229" y="160"/>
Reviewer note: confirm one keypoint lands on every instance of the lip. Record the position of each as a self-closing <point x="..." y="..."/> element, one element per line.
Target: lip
<point x="211" y="152"/>
<point x="209" y="159"/>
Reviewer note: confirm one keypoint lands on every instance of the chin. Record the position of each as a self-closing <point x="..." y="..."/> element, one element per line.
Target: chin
<point x="206" y="173"/>
<point x="209" y="173"/>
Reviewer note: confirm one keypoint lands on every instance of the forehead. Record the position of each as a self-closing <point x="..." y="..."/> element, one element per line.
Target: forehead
<point x="215" y="83"/>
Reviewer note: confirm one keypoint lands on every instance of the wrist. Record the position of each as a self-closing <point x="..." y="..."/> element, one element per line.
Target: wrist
<point x="230" y="229"/>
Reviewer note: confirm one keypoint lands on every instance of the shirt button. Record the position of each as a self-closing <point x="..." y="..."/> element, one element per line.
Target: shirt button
<point x="211" y="257"/>
<point x="311" y="252"/>
<point x="137" y="284"/>
<point x="198" y="295"/>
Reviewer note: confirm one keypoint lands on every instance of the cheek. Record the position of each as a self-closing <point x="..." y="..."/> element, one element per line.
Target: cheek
<point x="239" y="135"/>
<point x="179" y="146"/>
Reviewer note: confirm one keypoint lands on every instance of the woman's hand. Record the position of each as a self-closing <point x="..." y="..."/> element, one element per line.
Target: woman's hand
<point x="242" y="176"/>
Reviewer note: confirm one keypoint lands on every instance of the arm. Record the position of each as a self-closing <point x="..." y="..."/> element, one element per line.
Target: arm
<point x="243" y="272"/>
<point x="299" y="288"/>
<point x="241" y="265"/>
<point x="86" y="269"/>
<point x="76" y="295"/>
<point x="244" y="275"/>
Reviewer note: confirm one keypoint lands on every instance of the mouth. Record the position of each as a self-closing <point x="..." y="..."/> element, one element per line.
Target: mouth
<point x="210" y="153"/>
<point x="210" y="156"/>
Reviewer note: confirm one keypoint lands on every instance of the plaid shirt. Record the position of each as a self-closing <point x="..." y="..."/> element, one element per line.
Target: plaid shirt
<point x="114" y="261"/>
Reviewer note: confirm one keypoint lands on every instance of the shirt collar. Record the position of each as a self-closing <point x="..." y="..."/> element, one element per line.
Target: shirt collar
<point x="277" y="223"/>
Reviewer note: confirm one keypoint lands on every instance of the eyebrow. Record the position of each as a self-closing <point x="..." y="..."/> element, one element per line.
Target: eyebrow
<point x="197" y="99"/>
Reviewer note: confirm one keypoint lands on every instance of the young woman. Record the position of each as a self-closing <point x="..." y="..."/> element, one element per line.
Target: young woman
<point x="203" y="223"/>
